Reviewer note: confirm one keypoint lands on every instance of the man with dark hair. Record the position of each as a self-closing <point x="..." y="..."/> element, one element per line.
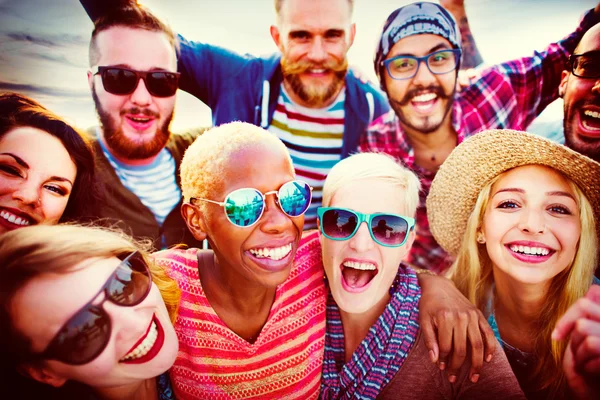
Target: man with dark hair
<point x="580" y="90"/>
<point x="133" y="78"/>
<point x="417" y="60"/>
<point x="304" y="94"/>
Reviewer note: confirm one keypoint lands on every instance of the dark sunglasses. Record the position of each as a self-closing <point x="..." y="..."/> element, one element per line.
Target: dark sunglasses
<point x="586" y="65"/>
<point x="390" y="230"/>
<point x="121" y="81"/>
<point x="244" y="207"/>
<point x="87" y="333"/>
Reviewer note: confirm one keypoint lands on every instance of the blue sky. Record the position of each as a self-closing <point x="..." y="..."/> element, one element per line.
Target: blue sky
<point x="43" y="43"/>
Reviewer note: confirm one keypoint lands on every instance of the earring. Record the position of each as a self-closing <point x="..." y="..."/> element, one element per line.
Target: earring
<point x="480" y="238"/>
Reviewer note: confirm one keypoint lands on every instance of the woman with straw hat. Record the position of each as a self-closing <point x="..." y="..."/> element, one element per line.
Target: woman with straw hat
<point x="520" y="214"/>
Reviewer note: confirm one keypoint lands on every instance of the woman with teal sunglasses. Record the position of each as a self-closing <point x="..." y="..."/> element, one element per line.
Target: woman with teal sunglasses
<point x="251" y="320"/>
<point x="374" y="346"/>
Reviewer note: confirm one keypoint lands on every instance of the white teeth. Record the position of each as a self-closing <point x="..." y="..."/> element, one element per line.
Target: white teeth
<point x="542" y="251"/>
<point x="13" y="219"/>
<point x="317" y="71"/>
<point x="139" y="119"/>
<point x="143" y="348"/>
<point x="276" y="253"/>
<point x="424" y="97"/>
<point x="360" y="265"/>
<point x="593" y="114"/>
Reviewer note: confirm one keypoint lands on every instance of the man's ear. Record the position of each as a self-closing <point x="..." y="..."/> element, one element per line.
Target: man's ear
<point x="41" y="374"/>
<point x="276" y="35"/>
<point x="90" y="78"/>
<point x="194" y="220"/>
<point x="352" y="34"/>
<point x="563" y="84"/>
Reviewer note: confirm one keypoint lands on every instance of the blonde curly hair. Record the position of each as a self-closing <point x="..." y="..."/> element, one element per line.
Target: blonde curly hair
<point x="205" y="160"/>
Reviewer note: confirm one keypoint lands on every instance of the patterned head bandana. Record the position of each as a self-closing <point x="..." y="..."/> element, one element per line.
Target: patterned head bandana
<point x="415" y="19"/>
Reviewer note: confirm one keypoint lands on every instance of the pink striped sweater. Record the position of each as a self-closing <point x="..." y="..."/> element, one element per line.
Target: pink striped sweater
<point x="285" y="360"/>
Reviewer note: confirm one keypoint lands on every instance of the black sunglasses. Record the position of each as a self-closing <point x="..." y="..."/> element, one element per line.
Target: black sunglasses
<point x="87" y="333"/>
<point x="122" y="81"/>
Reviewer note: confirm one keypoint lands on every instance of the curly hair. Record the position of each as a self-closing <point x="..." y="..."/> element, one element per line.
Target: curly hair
<point x="204" y="161"/>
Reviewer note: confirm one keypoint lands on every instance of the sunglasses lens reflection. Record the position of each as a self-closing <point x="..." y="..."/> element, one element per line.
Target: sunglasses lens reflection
<point x="119" y="81"/>
<point x="389" y="229"/>
<point x="162" y="84"/>
<point x="339" y="224"/>
<point x="244" y="207"/>
<point x="131" y="282"/>
<point x="84" y="338"/>
<point x="294" y="198"/>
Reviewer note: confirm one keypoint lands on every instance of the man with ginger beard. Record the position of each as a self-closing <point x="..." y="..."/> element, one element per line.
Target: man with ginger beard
<point x="304" y="94"/>
<point x="580" y="90"/>
<point x="133" y="79"/>
<point x="417" y="60"/>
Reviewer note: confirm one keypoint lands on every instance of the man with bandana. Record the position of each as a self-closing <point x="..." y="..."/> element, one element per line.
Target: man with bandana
<point x="416" y="61"/>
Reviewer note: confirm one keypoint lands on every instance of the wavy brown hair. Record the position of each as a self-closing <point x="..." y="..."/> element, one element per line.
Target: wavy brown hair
<point x="17" y="111"/>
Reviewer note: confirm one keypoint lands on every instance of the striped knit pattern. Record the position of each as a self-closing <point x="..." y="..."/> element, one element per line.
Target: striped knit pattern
<point x="381" y="353"/>
<point x="286" y="359"/>
<point x="154" y="184"/>
<point x="314" y="139"/>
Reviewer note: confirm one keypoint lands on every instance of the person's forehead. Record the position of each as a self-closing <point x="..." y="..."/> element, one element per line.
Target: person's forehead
<point x="590" y="41"/>
<point x="419" y="45"/>
<point x="315" y="14"/>
<point x="136" y="48"/>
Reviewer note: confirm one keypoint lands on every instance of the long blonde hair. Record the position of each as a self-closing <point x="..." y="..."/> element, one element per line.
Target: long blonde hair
<point x="472" y="274"/>
<point x="28" y="252"/>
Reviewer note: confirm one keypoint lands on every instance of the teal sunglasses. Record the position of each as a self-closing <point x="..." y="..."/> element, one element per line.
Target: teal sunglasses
<point x="390" y="230"/>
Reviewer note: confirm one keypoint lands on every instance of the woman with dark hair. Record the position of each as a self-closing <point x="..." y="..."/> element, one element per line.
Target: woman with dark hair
<point x="46" y="166"/>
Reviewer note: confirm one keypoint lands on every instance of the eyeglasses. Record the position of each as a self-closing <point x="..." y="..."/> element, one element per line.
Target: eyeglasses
<point x="586" y="65"/>
<point x="244" y="207"/>
<point x="87" y="333"/>
<point x="390" y="230"/>
<point x="406" y="66"/>
<point x="121" y="81"/>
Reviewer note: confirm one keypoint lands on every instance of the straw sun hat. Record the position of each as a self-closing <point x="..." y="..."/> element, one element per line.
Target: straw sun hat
<point x="479" y="159"/>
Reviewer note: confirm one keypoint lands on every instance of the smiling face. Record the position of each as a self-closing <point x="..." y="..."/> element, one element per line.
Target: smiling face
<point x="422" y="102"/>
<point x="261" y="254"/>
<point x="314" y="37"/>
<point x="531" y="224"/>
<point x="582" y="103"/>
<point x="360" y="271"/>
<point x="48" y="301"/>
<point x="36" y="178"/>
<point x="136" y="125"/>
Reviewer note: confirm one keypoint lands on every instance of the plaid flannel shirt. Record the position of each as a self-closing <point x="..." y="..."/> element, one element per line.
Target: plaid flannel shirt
<point x="509" y="95"/>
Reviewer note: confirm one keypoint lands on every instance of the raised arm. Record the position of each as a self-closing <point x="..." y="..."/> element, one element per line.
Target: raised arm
<point x="471" y="57"/>
<point x="534" y="80"/>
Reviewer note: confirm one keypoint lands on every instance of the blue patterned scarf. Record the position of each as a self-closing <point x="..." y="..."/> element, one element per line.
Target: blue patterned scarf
<point x="381" y="353"/>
